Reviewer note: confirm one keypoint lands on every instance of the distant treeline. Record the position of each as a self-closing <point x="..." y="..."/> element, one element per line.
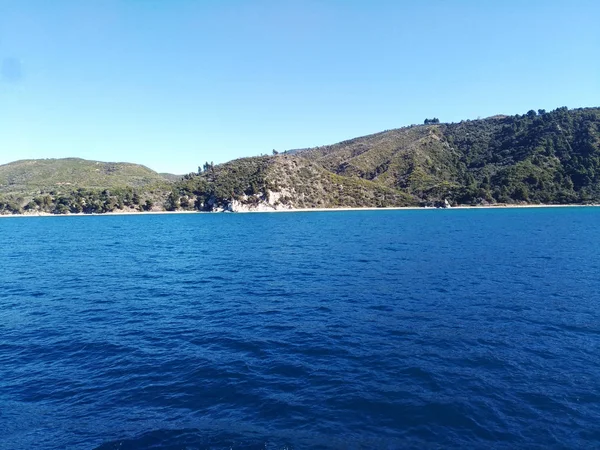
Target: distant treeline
<point x="80" y="201"/>
<point x="539" y="157"/>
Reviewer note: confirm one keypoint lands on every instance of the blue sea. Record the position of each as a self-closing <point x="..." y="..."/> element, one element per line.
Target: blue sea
<point x="332" y="330"/>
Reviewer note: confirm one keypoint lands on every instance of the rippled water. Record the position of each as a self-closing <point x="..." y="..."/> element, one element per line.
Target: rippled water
<point x="383" y="329"/>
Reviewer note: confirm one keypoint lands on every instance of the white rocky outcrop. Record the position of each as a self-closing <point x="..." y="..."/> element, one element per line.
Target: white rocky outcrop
<point x="269" y="201"/>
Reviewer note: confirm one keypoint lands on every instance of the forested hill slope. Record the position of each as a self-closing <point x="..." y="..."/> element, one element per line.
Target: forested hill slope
<point x="73" y="185"/>
<point x="544" y="158"/>
<point x="56" y="174"/>
<point x="539" y="157"/>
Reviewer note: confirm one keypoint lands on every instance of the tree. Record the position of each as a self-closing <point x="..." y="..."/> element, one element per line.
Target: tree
<point x="431" y="121"/>
<point x="62" y="209"/>
<point x="172" y="202"/>
<point x="148" y="205"/>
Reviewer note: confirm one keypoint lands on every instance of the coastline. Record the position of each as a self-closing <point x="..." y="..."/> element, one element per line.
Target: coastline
<point x="296" y="210"/>
<point x="414" y="208"/>
<point x="114" y="213"/>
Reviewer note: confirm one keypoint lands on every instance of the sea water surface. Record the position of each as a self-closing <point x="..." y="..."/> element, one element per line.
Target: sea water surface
<point x="360" y="330"/>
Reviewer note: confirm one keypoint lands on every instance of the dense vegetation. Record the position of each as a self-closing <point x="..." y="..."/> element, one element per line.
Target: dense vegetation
<point x="73" y="185"/>
<point x="539" y="157"/>
<point x="79" y="201"/>
<point x="73" y="173"/>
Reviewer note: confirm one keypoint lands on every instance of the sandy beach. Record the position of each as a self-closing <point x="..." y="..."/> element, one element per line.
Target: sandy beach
<point x="295" y="210"/>
<point x="413" y="208"/>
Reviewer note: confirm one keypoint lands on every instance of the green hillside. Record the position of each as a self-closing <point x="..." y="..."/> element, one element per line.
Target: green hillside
<point x="416" y="160"/>
<point x="538" y="157"/>
<point x="63" y="174"/>
<point x="77" y="185"/>
<point x="281" y="181"/>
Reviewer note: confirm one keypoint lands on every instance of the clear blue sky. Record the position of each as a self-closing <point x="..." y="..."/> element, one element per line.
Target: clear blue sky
<point x="173" y="83"/>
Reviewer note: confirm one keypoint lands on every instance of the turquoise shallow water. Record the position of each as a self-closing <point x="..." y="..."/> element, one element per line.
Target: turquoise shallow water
<point x="367" y="329"/>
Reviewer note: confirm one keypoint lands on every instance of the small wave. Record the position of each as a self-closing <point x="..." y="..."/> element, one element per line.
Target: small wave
<point x="185" y="439"/>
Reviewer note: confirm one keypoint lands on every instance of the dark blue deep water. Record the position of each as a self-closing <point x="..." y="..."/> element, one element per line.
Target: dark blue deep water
<point x="360" y="330"/>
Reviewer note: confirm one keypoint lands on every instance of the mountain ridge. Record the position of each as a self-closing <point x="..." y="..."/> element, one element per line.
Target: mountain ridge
<point x="49" y="172"/>
<point x="536" y="158"/>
